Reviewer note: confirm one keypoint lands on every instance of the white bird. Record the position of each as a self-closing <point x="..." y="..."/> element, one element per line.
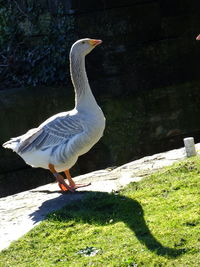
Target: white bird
<point x="58" y="142"/>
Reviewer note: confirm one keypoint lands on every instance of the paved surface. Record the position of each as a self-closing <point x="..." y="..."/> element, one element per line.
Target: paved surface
<point x="19" y="213"/>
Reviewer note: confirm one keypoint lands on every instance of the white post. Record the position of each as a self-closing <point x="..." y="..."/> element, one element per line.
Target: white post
<point x="189" y="146"/>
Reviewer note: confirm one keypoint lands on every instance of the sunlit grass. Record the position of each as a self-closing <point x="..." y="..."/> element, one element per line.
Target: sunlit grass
<point x="155" y="222"/>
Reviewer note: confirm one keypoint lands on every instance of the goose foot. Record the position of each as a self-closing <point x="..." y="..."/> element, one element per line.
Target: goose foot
<point x="61" y="182"/>
<point x="72" y="183"/>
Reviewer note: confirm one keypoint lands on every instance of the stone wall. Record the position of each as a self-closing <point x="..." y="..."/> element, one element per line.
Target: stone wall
<point x="147" y="43"/>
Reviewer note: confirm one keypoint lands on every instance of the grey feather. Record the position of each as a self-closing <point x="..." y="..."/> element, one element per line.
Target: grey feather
<point x="53" y="133"/>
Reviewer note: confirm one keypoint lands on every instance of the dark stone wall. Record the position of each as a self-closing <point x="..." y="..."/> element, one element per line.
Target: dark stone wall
<point x="146" y="44"/>
<point x="145" y="77"/>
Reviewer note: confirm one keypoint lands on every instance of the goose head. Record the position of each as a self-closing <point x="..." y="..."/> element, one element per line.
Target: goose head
<point x="84" y="46"/>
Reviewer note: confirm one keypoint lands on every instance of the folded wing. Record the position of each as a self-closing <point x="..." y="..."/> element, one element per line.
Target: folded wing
<point x="55" y="132"/>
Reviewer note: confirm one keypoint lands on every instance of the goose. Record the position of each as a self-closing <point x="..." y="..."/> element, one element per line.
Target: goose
<point x="57" y="143"/>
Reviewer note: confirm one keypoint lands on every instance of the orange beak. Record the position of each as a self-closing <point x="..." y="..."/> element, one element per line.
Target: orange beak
<point x="95" y="42"/>
<point x="198" y="38"/>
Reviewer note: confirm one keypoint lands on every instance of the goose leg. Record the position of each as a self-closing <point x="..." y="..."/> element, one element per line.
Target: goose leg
<point x="72" y="183"/>
<point x="61" y="182"/>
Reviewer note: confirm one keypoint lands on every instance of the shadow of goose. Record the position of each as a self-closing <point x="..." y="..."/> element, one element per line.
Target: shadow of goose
<point x="100" y="208"/>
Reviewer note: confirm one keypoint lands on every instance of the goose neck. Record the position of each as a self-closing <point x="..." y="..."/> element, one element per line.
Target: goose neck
<point x="79" y="79"/>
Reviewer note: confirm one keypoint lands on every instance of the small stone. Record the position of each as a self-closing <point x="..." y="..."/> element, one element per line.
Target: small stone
<point x="189" y="146"/>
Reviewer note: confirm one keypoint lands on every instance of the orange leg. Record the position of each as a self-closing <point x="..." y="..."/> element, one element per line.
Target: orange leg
<point x="69" y="178"/>
<point x="72" y="183"/>
<point x="61" y="182"/>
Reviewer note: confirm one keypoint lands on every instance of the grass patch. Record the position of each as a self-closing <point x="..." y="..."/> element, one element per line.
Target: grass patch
<point x="155" y="222"/>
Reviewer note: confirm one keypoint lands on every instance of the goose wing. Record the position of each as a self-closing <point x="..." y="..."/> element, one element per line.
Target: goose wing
<point x="58" y="130"/>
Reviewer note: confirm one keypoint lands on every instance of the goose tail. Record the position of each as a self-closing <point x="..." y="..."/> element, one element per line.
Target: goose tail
<point x="20" y="142"/>
<point x="13" y="143"/>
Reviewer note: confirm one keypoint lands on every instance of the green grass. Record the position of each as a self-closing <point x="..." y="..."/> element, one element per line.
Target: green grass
<point x="155" y="222"/>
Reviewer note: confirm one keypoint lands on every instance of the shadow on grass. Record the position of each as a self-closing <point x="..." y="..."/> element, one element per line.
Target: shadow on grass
<point x="102" y="208"/>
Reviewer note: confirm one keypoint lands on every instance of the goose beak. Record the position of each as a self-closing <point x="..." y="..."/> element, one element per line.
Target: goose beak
<point x="198" y="38"/>
<point x="94" y="42"/>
